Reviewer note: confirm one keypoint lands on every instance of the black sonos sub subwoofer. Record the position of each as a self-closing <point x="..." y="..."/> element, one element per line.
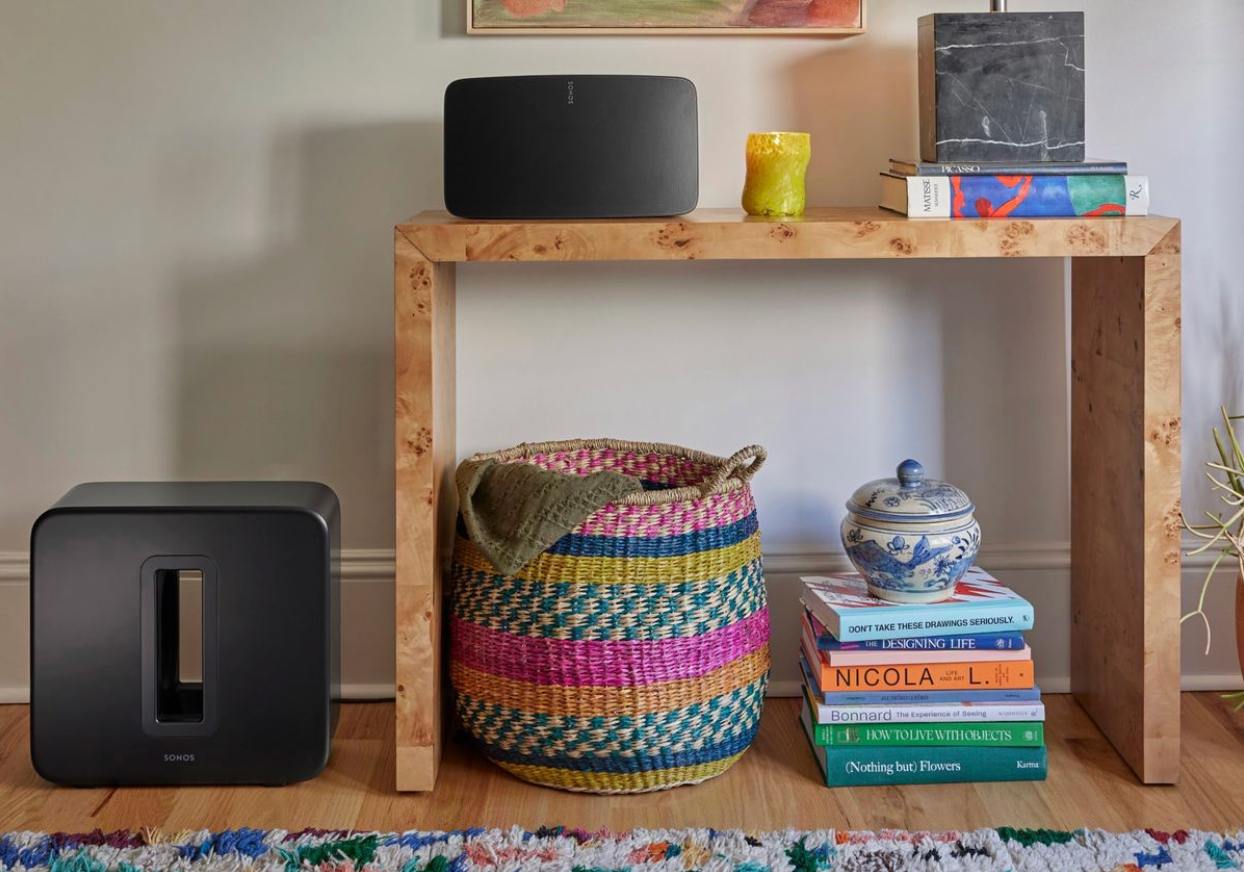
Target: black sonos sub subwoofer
<point x="571" y="147"/>
<point x="185" y="633"/>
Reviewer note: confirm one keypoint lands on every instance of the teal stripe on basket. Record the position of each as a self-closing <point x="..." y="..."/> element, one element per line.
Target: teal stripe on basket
<point x="577" y="545"/>
<point x="714" y="748"/>
<point x="606" y="612"/>
<point x="711" y="720"/>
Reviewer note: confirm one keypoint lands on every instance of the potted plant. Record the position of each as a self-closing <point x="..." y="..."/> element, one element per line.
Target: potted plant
<point x="1224" y="531"/>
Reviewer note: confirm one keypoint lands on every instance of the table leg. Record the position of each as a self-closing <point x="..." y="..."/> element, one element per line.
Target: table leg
<point x="423" y="303"/>
<point x="1125" y="489"/>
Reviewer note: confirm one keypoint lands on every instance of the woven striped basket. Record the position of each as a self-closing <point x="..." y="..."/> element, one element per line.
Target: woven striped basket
<point x="633" y="654"/>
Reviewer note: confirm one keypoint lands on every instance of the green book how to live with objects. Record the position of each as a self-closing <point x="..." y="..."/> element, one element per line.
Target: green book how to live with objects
<point x="1028" y="734"/>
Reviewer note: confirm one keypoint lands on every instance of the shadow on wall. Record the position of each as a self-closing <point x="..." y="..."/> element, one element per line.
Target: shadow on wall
<point x="858" y="100"/>
<point x="285" y="358"/>
<point x="1002" y="353"/>
<point x="453" y="18"/>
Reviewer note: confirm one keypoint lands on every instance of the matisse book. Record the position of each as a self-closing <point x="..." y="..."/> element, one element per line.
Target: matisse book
<point x="1015" y="196"/>
<point x="980" y="604"/>
<point x="977" y="642"/>
<point x="864" y="765"/>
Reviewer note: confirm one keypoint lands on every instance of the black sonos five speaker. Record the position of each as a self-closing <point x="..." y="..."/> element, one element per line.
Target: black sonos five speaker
<point x="185" y="633"/>
<point x="571" y="147"/>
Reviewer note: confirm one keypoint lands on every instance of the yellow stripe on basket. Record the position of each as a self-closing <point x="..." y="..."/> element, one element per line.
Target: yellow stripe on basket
<point x="562" y="569"/>
<point x="594" y="701"/>
<point x="620" y="782"/>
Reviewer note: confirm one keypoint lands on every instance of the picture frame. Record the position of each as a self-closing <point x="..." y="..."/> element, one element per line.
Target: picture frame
<point x="718" y="17"/>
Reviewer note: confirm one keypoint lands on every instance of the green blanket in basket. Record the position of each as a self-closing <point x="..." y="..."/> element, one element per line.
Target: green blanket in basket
<point x="515" y="511"/>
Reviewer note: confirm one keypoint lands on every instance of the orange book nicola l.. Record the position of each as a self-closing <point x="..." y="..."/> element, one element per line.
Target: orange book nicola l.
<point x="1001" y="674"/>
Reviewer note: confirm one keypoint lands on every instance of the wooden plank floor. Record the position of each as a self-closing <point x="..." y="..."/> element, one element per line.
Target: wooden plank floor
<point x="773" y="787"/>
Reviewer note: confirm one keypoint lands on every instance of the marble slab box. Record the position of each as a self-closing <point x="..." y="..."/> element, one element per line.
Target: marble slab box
<point x="1000" y="86"/>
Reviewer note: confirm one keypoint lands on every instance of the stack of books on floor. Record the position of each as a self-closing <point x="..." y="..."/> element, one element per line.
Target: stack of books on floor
<point x="995" y="189"/>
<point x="915" y="694"/>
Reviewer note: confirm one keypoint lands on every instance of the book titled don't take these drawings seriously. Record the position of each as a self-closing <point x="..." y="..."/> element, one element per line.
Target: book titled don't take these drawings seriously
<point x="980" y="604"/>
<point x="978" y="642"/>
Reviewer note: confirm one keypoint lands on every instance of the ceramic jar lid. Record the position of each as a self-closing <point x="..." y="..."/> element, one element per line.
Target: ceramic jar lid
<point x="910" y="498"/>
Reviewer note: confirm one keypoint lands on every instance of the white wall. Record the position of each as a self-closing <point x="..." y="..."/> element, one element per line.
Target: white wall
<point x="195" y="203"/>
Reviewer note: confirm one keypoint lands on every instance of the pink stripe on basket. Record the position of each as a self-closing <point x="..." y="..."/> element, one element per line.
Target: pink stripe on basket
<point x="670" y="519"/>
<point x="605" y="664"/>
<point x="671" y="469"/>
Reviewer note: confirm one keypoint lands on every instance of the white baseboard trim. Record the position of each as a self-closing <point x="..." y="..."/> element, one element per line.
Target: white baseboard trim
<point x="1226" y="682"/>
<point x="366" y="692"/>
<point x="375" y="566"/>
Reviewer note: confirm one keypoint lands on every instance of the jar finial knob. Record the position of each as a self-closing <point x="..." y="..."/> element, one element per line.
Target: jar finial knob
<point x="910" y="473"/>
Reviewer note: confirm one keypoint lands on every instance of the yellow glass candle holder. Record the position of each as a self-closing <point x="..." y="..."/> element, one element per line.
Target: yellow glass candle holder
<point x="776" y="166"/>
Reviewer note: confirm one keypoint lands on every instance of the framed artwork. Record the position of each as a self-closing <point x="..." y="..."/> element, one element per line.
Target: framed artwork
<point x="684" y="17"/>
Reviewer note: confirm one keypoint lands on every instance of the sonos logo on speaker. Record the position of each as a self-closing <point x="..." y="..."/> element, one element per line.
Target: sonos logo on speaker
<point x="570" y="92"/>
<point x="179" y="758"/>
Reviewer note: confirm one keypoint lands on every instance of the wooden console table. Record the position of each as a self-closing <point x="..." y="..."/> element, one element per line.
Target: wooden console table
<point x="1125" y="424"/>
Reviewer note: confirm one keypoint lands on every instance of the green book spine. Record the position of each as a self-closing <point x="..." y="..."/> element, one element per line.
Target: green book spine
<point x="1028" y="734"/>
<point x="864" y="765"/>
<point x="850" y="767"/>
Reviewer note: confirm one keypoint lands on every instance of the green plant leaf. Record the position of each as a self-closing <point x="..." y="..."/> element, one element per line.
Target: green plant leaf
<point x="1231" y="492"/>
<point x="1235" y="444"/>
<point x="1226" y="461"/>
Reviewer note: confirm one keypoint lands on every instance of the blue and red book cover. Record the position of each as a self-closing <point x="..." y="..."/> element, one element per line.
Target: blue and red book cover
<point x="1016" y="196"/>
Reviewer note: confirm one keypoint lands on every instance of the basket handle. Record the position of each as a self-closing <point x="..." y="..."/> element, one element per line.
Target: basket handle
<point x="742" y="464"/>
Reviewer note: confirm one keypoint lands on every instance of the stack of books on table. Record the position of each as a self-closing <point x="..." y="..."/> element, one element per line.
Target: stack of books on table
<point x="1049" y="189"/>
<point x="912" y="694"/>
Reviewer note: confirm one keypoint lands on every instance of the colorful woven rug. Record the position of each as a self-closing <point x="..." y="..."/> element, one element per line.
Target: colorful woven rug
<point x="568" y="850"/>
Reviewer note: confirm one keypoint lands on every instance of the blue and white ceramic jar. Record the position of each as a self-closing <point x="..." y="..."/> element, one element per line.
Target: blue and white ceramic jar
<point x="911" y="538"/>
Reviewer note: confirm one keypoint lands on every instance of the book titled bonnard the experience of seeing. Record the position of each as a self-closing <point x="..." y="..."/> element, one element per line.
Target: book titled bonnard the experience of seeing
<point x="931" y="713"/>
<point x="980" y="604"/>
